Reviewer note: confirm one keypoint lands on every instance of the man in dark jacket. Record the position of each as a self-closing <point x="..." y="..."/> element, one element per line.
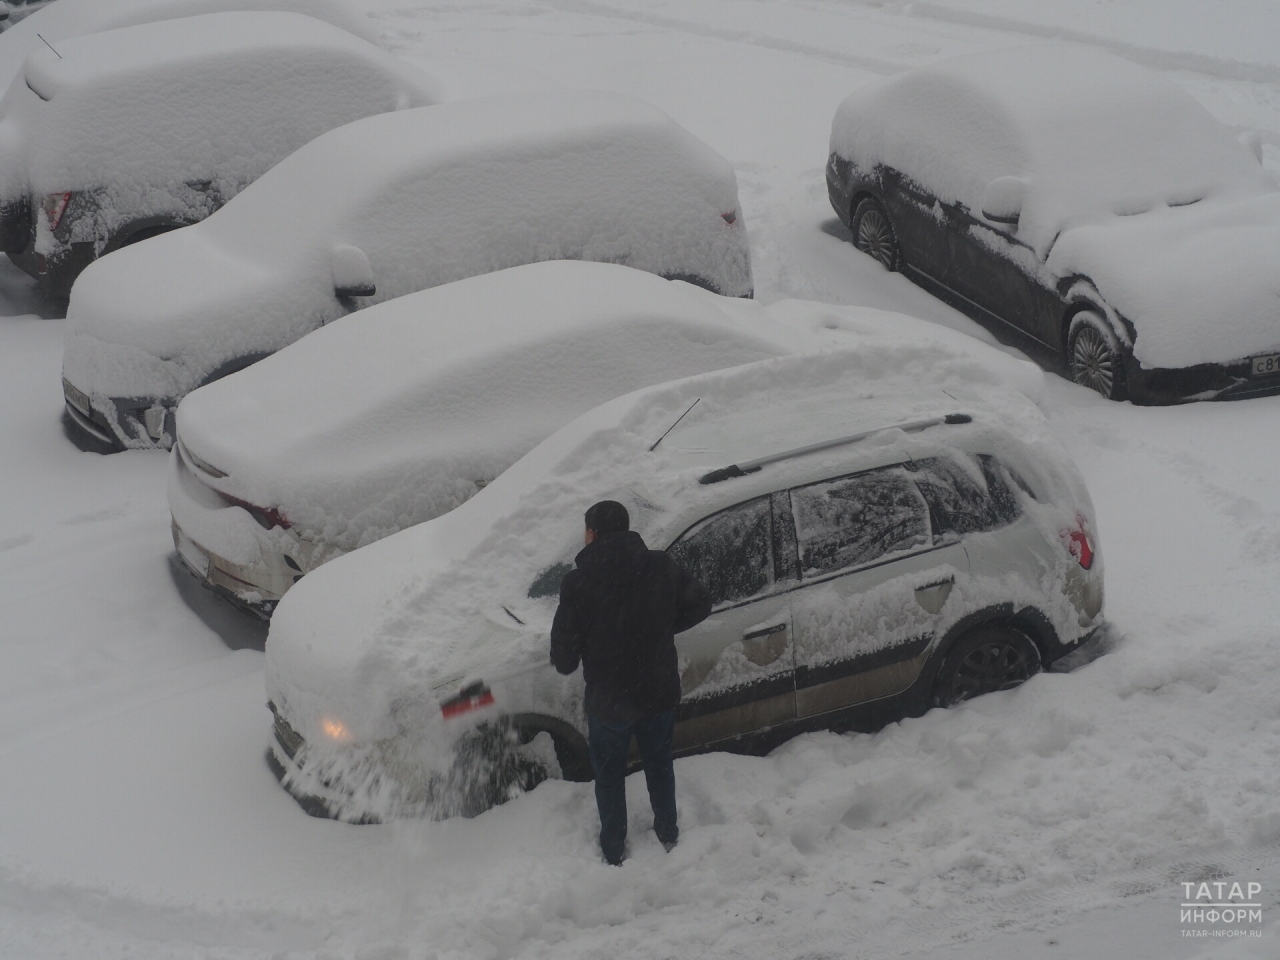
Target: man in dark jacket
<point x="619" y="613"/>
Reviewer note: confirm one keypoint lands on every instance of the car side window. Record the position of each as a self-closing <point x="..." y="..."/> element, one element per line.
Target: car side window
<point x="958" y="502"/>
<point x="729" y="551"/>
<point x="857" y="520"/>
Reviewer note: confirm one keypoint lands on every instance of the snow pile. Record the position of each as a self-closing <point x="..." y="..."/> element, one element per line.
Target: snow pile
<point x="73" y="18"/>
<point x="430" y="196"/>
<point x="1111" y="154"/>
<point x="371" y="634"/>
<point x="395" y="416"/>
<point x="159" y="119"/>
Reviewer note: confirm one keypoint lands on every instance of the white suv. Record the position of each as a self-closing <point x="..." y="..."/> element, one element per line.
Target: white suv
<point x="872" y="550"/>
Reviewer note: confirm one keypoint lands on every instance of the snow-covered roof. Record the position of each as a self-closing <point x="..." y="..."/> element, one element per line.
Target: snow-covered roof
<point x="425" y="606"/>
<point x="73" y="18"/>
<point x="389" y="417"/>
<point x="221" y="96"/>
<point x="1096" y="136"/>
<point x="431" y="196"/>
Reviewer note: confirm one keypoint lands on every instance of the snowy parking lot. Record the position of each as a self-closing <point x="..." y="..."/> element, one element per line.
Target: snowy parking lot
<point x="1058" y="820"/>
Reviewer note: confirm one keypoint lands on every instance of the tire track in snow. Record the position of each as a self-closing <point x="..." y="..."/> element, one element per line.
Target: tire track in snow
<point x="878" y="65"/>
<point x="1220" y="68"/>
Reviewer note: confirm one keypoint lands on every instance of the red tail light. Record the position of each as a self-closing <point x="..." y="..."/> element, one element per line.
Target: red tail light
<point x="730" y="218"/>
<point x="55" y="205"/>
<point x="267" y="517"/>
<point x="469" y="698"/>
<point x="1079" y="542"/>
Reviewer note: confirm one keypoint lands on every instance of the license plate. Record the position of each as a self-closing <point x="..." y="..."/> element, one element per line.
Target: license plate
<point x="195" y="558"/>
<point x="78" y="398"/>
<point x="1267" y="366"/>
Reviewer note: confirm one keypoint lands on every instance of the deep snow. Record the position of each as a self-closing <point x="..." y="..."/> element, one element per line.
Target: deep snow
<point x="140" y="821"/>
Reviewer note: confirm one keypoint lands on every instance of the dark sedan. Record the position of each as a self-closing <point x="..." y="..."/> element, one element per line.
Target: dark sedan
<point x="1081" y="206"/>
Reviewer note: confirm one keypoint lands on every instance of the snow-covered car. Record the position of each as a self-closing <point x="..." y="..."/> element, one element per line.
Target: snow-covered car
<point x="383" y="420"/>
<point x="1084" y="205"/>
<point x="873" y="547"/>
<point x="126" y="134"/>
<point x="55" y="22"/>
<point x="388" y="419"/>
<point x="15" y="11"/>
<point x="386" y="206"/>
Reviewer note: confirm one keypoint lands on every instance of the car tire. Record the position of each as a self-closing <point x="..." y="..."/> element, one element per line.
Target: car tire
<point x="489" y="770"/>
<point x="1095" y="357"/>
<point x="990" y="657"/>
<point x="874" y="235"/>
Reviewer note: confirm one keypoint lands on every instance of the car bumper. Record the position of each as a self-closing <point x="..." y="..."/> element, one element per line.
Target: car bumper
<point x="121" y="423"/>
<point x="230" y="581"/>
<point x="1206" y="381"/>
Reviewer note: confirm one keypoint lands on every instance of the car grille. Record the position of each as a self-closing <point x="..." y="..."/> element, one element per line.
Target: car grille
<point x="286" y="736"/>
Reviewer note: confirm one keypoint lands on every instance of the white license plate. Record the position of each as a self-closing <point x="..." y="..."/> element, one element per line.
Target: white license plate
<point x="195" y="558"/>
<point x="77" y="397"/>
<point x="1267" y="366"/>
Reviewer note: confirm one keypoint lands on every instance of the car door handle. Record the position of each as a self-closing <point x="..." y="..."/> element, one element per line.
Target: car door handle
<point x="764" y="632"/>
<point x="764" y="646"/>
<point x="933" y="596"/>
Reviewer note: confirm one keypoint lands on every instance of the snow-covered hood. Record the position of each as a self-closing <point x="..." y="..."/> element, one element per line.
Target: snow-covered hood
<point x="392" y="416"/>
<point x="157" y="319"/>
<point x="439" y="602"/>
<point x="74" y="18"/>
<point x="228" y="95"/>
<point x="430" y="195"/>
<point x="1200" y="283"/>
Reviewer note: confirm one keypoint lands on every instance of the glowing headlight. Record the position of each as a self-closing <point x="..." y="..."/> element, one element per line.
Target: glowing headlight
<point x="335" y="730"/>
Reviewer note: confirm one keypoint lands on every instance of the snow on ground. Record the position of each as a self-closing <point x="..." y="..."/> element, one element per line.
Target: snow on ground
<point x="140" y="821"/>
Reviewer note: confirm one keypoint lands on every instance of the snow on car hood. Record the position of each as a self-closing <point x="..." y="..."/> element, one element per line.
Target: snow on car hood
<point x="438" y="602"/>
<point x="430" y="195"/>
<point x="394" y="415"/>
<point x="228" y="95"/>
<point x="1093" y="135"/>
<point x="1199" y="283"/>
<point x="73" y="18"/>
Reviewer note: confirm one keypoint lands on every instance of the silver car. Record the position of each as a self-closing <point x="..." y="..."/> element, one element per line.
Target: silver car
<point x="871" y="553"/>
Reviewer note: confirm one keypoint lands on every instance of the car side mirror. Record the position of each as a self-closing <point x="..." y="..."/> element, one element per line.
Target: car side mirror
<point x="1253" y="142"/>
<point x="352" y="274"/>
<point x="1002" y="200"/>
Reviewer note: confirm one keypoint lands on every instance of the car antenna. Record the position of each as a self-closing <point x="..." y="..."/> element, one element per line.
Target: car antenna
<point x="50" y="46"/>
<point x="673" y="426"/>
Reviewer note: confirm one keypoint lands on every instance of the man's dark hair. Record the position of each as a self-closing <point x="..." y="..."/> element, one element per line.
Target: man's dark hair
<point x="608" y="516"/>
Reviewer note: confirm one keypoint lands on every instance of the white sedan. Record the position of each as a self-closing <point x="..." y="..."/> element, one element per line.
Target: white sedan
<point x="386" y="206"/>
<point x="396" y="415"/>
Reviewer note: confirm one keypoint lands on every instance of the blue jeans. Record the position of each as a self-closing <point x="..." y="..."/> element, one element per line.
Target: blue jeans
<point x="610" y="742"/>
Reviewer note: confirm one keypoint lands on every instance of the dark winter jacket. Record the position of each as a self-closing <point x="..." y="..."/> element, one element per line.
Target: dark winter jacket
<point x="619" y="613"/>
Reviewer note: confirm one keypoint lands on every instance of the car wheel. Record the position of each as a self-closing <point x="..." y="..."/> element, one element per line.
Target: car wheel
<point x="1095" y="357"/>
<point x="490" y="768"/>
<point x="873" y="234"/>
<point x="991" y="657"/>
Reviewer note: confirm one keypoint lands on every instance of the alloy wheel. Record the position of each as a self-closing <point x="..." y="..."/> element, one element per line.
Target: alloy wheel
<point x="995" y="664"/>
<point x="875" y="237"/>
<point x="1093" y="361"/>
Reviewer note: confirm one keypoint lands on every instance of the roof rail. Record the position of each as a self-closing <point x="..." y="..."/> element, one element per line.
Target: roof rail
<point x="751" y="466"/>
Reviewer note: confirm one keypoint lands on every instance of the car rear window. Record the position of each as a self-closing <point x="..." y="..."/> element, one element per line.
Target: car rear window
<point x="958" y="502"/>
